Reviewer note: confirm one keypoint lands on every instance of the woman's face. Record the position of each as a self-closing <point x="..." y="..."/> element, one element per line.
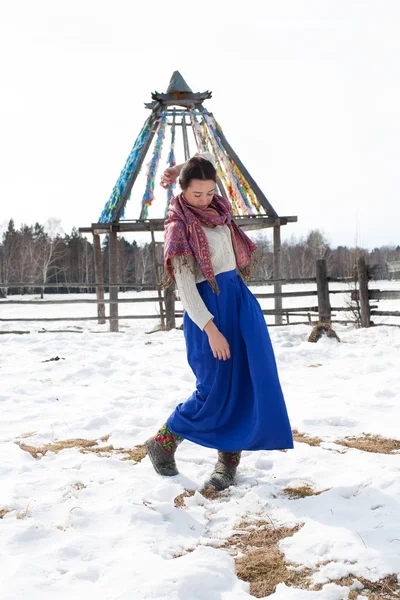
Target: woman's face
<point x="200" y="193"/>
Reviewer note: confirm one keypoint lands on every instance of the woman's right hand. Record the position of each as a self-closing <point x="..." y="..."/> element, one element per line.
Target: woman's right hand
<point x="218" y="343"/>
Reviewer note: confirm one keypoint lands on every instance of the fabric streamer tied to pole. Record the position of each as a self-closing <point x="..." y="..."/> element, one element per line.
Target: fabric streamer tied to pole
<point x="171" y="163"/>
<point x="148" y="195"/>
<point x="109" y="209"/>
<point x="232" y="184"/>
<point x="200" y="140"/>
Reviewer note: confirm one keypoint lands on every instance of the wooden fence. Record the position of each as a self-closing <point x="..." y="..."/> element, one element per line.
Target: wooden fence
<point x="322" y="311"/>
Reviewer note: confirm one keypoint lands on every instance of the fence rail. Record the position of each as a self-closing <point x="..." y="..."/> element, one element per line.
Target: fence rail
<point x="322" y="311"/>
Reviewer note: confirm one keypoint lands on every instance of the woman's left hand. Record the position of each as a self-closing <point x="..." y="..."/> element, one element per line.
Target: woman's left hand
<point x="218" y="343"/>
<point x="168" y="177"/>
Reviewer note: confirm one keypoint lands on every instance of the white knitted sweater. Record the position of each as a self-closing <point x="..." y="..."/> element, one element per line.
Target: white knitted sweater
<point x="188" y="275"/>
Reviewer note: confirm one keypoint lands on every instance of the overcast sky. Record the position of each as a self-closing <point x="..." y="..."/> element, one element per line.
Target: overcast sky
<point x="307" y="92"/>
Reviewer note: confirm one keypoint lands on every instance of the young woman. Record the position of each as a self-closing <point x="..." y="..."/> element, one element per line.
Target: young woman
<point x="238" y="402"/>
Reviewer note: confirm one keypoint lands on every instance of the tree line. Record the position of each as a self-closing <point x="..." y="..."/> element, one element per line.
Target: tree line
<point x="40" y="255"/>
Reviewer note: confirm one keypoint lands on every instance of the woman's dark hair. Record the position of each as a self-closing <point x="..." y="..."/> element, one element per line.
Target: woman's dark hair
<point x="197" y="167"/>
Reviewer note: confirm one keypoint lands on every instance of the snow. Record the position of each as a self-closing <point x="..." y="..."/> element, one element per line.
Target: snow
<point x="83" y="524"/>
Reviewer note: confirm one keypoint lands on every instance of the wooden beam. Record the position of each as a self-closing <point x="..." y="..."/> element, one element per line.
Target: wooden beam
<point x="98" y="269"/>
<point x="246" y="222"/>
<point x="113" y="277"/>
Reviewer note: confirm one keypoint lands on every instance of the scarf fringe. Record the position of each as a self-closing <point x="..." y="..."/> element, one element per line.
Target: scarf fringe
<point x="246" y="273"/>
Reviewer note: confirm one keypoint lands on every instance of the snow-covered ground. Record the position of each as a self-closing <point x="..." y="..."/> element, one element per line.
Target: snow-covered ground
<point x="83" y="525"/>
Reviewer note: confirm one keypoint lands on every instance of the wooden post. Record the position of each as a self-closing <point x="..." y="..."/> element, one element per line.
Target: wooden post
<point x="98" y="274"/>
<point x="113" y="278"/>
<point x="364" y="294"/>
<point x="156" y="271"/>
<point x="185" y="138"/>
<point x="277" y="272"/>
<point x="324" y="305"/>
<point x="169" y="300"/>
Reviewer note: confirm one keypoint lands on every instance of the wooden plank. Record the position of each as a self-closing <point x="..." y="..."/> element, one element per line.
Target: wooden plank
<point x="277" y="273"/>
<point x="362" y="273"/>
<point x="386" y="313"/>
<point x="393" y="266"/>
<point x="113" y="277"/>
<point x="378" y="295"/>
<point x="324" y="304"/>
<point x="384" y="294"/>
<point x="132" y="286"/>
<point x="287" y="295"/>
<point x="16" y="332"/>
<point x="84" y="301"/>
<point x="98" y="269"/>
<point x="36" y="320"/>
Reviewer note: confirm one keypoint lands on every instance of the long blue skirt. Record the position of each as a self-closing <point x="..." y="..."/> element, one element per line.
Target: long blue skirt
<point x="238" y="404"/>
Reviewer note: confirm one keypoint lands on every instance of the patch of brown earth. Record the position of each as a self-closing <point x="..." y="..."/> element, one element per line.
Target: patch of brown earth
<point x="371" y="443"/>
<point x="3" y="512"/>
<point x="179" y="501"/>
<point x="209" y="493"/>
<point x="135" y="454"/>
<point x="306" y="439"/>
<point x="264" y="565"/>
<point x="302" y="491"/>
<point x="387" y="588"/>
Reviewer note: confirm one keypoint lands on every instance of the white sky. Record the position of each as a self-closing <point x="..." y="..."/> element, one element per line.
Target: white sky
<point x="307" y="92"/>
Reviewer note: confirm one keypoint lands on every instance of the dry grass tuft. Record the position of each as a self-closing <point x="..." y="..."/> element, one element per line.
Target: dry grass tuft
<point x="265" y="569"/>
<point x="387" y="588"/>
<point x="56" y="447"/>
<point x="212" y="494"/>
<point x="306" y="439"/>
<point x="179" y="501"/>
<point x="302" y="491"/>
<point x="371" y="443"/>
<point x="4" y="512"/>
<point x="321" y="329"/>
<point x="135" y="454"/>
<point x="264" y="565"/>
<point x="78" y="486"/>
<point x="209" y="493"/>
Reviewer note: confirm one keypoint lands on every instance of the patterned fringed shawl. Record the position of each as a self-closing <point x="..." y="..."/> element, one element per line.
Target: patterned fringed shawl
<point x="184" y="236"/>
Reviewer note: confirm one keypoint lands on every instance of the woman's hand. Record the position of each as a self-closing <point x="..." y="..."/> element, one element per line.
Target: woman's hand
<point x="169" y="176"/>
<point x="218" y="343"/>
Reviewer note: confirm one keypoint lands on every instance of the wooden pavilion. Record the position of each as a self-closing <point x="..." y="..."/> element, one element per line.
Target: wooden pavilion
<point x="182" y="114"/>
